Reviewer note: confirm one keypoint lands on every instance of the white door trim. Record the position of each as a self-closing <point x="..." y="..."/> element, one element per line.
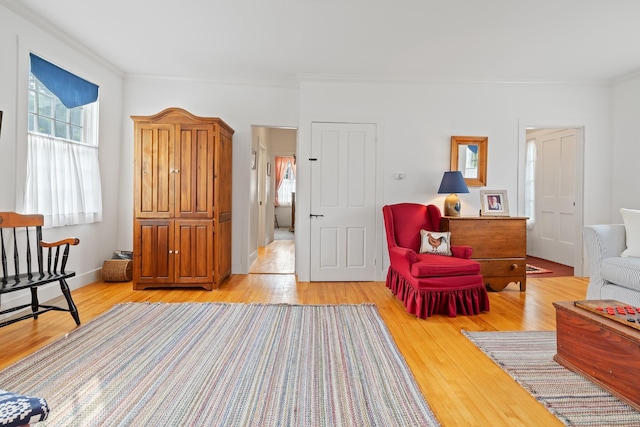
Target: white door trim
<point x="582" y="131"/>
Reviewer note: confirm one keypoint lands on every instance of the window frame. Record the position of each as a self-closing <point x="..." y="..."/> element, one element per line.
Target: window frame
<point x="88" y="140"/>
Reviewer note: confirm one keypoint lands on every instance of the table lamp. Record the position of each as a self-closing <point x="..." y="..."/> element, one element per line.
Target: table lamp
<point x="452" y="183"/>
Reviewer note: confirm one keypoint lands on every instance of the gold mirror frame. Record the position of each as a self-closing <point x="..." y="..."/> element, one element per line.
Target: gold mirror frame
<point x="482" y="142"/>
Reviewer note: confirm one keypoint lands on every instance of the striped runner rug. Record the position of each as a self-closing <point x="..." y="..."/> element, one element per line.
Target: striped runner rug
<point x="218" y="364"/>
<point x="574" y="400"/>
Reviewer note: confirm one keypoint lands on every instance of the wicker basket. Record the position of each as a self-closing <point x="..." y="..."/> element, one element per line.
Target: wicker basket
<point x="117" y="270"/>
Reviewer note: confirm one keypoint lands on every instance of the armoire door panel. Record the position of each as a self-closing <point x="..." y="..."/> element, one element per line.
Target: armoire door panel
<point x="183" y="176"/>
<point x="154" y="180"/>
<point x="194" y="259"/>
<point x="203" y="172"/>
<point x="153" y="261"/>
<point x="195" y="178"/>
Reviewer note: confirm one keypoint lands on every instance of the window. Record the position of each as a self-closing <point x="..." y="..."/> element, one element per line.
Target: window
<point x="471" y="162"/>
<point x="63" y="173"/>
<point x="285" y="180"/>
<point x="49" y="116"/>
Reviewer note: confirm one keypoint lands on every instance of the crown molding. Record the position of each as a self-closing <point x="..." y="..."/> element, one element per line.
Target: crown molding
<point x="326" y="78"/>
<point x="626" y="77"/>
<point x="235" y="82"/>
<point x="48" y="27"/>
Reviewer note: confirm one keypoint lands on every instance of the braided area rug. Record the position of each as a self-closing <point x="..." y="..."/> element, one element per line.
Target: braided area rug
<point x="528" y="358"/>
<point x="217" y="364"/>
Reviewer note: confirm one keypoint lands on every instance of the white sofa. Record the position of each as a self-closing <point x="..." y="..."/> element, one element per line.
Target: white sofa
<point x="611" y="276"/>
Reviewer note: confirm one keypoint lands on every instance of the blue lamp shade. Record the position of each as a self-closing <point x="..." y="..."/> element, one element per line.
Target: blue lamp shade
<point x="452" y="183"/>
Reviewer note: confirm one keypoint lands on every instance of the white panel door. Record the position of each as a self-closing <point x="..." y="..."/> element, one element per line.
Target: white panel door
<point x="343" y="211"/>
<point x="554" y="229"/>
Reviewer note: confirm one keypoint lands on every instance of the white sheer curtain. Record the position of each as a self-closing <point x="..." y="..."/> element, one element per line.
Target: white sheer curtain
<point x="63" y="181"/>
<point x="287" y="187"/>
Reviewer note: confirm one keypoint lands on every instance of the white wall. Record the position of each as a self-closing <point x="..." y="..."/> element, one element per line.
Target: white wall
<point x="17" y="38"/>
<point x="416" y="122"/>
<point x="625" y="191"/>
<point x="239" y="105"/>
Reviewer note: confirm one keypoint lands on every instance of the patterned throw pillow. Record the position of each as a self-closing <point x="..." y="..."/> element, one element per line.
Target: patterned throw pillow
<point x="435" y="242"/>
<point x="19" y="410"/>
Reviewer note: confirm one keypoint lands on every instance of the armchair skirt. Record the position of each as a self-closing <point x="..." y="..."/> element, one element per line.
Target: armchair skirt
<point x="464" y="295"/>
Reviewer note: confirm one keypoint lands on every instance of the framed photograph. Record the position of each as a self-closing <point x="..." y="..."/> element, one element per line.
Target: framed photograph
<point x="268" y="168"/>
<point x="253" y="160"/>
<point x="494" y="203"/>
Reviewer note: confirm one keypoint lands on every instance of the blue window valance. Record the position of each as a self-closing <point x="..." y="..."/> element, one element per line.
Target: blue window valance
<point x="72" y="90"/>
<point x="473" y="148"/>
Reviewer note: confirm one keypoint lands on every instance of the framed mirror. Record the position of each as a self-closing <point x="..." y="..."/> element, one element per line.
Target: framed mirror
<point x="469" y="156"/>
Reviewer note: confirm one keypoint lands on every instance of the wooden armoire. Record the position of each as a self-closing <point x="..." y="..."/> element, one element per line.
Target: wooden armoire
<point x="182" y="200"/>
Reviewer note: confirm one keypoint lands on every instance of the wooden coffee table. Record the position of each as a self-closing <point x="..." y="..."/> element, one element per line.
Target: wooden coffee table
<point x="603" y="348"/>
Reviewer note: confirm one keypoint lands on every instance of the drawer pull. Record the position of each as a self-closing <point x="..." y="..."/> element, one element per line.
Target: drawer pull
<point x="514" y="266"/>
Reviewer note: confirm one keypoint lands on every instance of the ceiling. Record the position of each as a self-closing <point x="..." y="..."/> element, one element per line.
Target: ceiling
<point x="281" y="41"/>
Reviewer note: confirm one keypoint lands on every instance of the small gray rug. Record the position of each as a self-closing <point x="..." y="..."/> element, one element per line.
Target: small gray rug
<point x="528" y="358"/>
<point x="282" y="234"/>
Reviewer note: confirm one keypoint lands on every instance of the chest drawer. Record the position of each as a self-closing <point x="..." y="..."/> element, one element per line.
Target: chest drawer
<point x="505" y="267"/>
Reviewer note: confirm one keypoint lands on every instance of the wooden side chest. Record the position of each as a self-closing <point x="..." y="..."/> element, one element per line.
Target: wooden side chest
<point x="499" y="244"/>
<point x="603" y="350"/>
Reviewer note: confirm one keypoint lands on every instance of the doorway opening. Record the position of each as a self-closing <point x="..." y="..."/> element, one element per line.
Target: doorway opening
<point x="551" y="189"/>
<point x="274" y="200"/>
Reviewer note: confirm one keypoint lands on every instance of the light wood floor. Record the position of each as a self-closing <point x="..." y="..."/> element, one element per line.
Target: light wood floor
<point x="278" y="257"/>
<point x="463" y="387"/>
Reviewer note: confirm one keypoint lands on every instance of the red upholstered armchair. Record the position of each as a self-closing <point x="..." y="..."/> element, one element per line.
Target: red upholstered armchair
<point x="426" y="283"/>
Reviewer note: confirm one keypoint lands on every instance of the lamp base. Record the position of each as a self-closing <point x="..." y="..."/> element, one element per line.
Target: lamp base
<point x="452" y="205"/>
